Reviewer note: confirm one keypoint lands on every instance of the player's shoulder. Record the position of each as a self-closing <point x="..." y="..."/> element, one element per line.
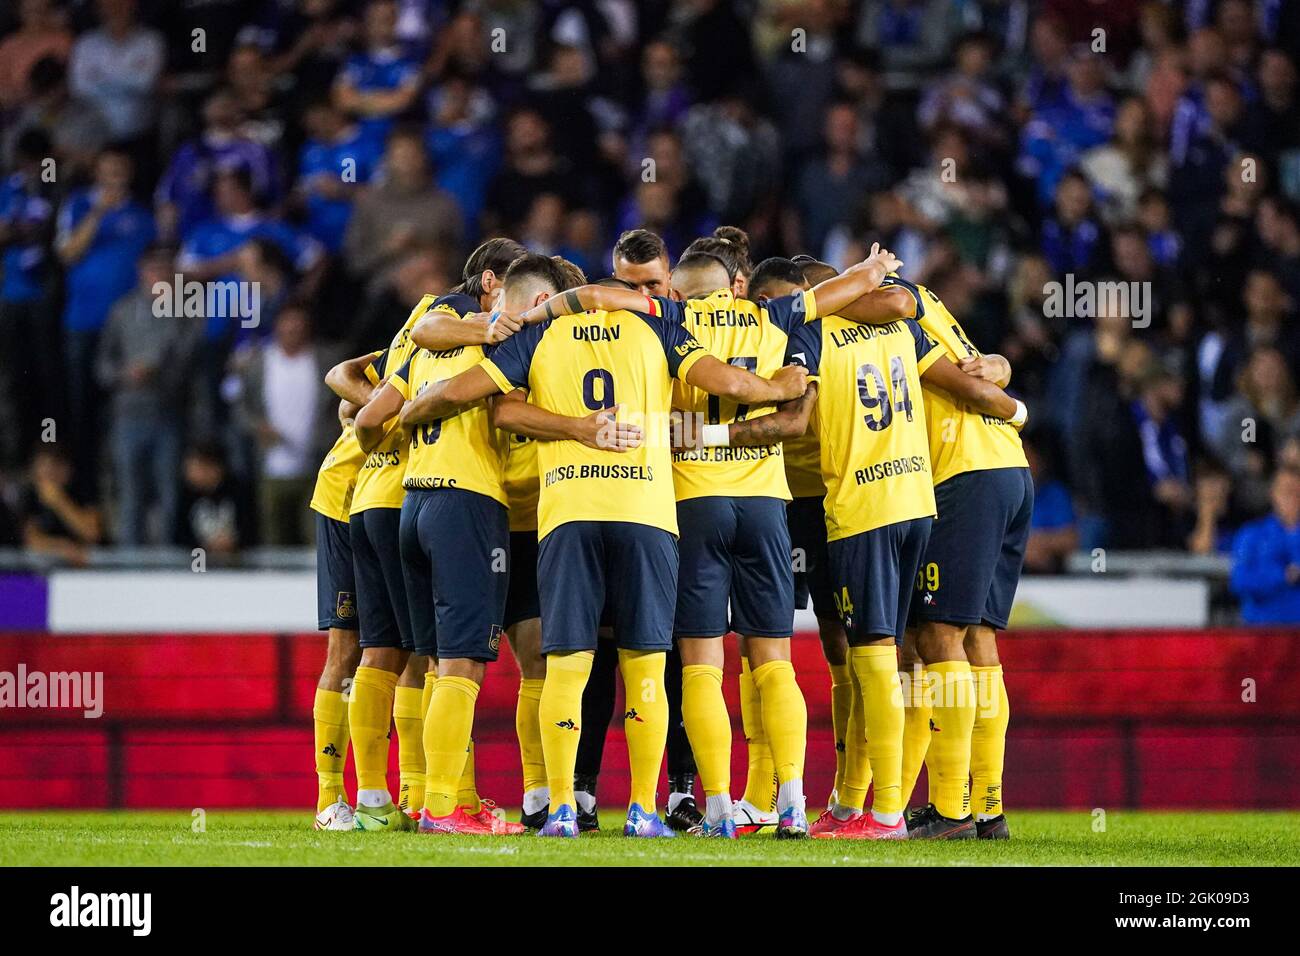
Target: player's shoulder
<point x="457" y="302"/>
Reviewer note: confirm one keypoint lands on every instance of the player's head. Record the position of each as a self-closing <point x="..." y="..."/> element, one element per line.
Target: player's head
<point x="699" y="274"/>
<point x="775" y="277"/>
<point x="485" y="268"/>
<point x="731" y="245"/>
<point x="641" y="259"/>
<point x="814" y="270"/>
<point x="573" y="274"/>
<point x="534" y="278"/>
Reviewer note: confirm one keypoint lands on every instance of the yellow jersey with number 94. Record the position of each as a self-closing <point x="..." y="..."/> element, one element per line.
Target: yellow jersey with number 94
<point x="871" y="422"/>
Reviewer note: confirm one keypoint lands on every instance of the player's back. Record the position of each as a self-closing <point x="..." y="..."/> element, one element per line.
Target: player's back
<point x="961" y="439"/>
<point x="753" y="337"/>
<point x="871" y="423"/>
<point x="574" y="365"/>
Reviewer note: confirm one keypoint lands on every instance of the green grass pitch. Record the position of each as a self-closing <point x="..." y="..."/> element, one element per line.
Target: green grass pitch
<point x="241" y="838"/>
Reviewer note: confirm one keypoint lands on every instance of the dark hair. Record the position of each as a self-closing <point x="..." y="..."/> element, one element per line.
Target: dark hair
<point x="495" y="255"/>
<point x="614" y="282"/>
<point x="535" y="265"/>
<point x="814" y="270"/>
<point x="639" y="246"/>
<point x="46" y="74"/>
<point x="775" y="269"/>
<point x="573" y="274"/>
<point x="33" y="143"/>
<point x="703" y="260"/>
<point x="729" y="244"/>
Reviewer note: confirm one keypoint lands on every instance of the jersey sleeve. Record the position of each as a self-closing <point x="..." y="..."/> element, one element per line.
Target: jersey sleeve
<point x="670" y="310"/>
<point x="456" y="303"/>
<point x="680" y="347"/>
<point x="401" y="379"/>
<point x="900" y="282"/>
<point x="927" y="349"/>
<point x="805" y="347"/>
<point x="375" y="370"/>
<point x="789" y="312"/>
<point x="509" y="362"/>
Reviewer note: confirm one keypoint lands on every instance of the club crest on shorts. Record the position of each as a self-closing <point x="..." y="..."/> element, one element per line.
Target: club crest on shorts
<point x="494" y="638"/>
<point x="345" y="607"/>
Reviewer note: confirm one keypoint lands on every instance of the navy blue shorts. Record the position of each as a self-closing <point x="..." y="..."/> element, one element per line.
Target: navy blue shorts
<point x="874" y="573"/>
<point x="977" y="548"/>
<point x="522" y="603"/>
<point x="336" y="587"/>
<point x="627" y="570"/>
<point x="456" y="557"/>
<point x="734" y="551"/>
<point x="381" y="590"/>
<point x="806" y="518"/>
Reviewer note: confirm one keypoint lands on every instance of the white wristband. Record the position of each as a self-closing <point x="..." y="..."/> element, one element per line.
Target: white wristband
<point x="1021" y="415"/>
<point x="713" y="435"/>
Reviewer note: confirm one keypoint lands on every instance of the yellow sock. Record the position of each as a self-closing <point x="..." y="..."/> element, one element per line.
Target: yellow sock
<point x="426" y="695"/>
<point x="467" y="789"/>
<point x="785" y="715"/>
<point x="529" y="730"/>
<point x="708" y="727"/>
<point x="916" y="729"/>
<point x="447" y="730"/>
<point x="760" y="782"/>
<point x="857" y="762"/>
<point x="953" y="717"/>
<point x="330" y="713"/>
<point x="842" y="694"/>
<point x="560" y="714"/>
<point x="647" y="733"/>
<point x="876" y="668"/>
<point x="408" y="718"/>
<point x="370" y="714"/>
<point x="988" y="740"/>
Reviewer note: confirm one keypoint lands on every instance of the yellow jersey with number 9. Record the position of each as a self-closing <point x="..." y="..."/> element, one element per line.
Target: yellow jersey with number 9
<point x="379" y="483"/>
<point x="752" y="336"/>
<point x="871" y="423"/>
<point x="961" y="439"/>
<point x="463" y="451"/>
<point x="578" y="364"/>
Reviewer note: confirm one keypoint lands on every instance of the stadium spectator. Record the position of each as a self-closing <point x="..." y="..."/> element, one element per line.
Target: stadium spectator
<point x="117" y="67"/>
<point x="336" y="163"/>
<point x="1214" y="512"/>
<point x="402" y="211"/>
<point x="75" y="127"/>
<point x="531" y="168"/>
<point x="55" y="521"/>
<point x="215" y="513"/>
<point x="144" y="364"/>
<point x="1053" y="535"/>
<point x="379" y="84"/>
<point x="1266" y="558"/>
<point x="41" y="33"/>
<point x="1121" y="170"/>
<point x="289" y="434"/>
<point x="1258" y="420"/>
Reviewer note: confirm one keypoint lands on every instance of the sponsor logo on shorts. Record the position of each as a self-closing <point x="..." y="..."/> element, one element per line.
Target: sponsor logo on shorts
<point x="345" y="608"/>
<point x="494" y="638"/>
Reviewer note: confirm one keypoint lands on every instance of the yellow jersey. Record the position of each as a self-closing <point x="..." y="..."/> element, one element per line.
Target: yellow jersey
<point x="463" y="451"/>
<point x="379" y="484"/>
<point x="961" y="439"/>
<point x="577" y="364"/>
<point x="337" y="477"/>
<point x="752" y="336"/>
<point x="871" y="423"/>
<point x="522" y="484"/>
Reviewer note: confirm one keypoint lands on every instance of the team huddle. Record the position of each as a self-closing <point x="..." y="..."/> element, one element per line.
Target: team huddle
<point x="615" y="476"/>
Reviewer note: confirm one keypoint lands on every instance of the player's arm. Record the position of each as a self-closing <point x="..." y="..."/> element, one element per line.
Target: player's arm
<point x="370" y="421"/>
<point x="880" y="306"/>
<point x="744" y="387"/>
<point x="982" y="395"/>
<point x="439" y="329"/>
<point x="347" y="412"/>
<point x="991" y="368"/>
<point x="790" y="420"/>
<point x="448" y="397"/>
<point x="601" y="429"/>
<point x="853" y="283"/>
<point x="351" y="380"/>
<point x="584" y="297"/>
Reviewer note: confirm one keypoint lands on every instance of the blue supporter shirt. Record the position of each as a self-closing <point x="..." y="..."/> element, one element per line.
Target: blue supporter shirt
<point x="107" y="271"/>
<point x="1260" y="555"/>
<point x="187" y="184"/>
<point x="327" y="219"/>
<point x="378" y="71"/>
<point x="23" y="264"/>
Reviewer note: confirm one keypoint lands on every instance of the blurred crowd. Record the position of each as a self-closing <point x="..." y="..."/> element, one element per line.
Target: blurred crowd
<point x="344" y="156"/>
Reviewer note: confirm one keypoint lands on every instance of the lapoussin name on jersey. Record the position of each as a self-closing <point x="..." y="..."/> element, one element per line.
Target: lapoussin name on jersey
<point x="891" y="469"/>
<point x="861" y="333"/>
<point x="631" y="472"/>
